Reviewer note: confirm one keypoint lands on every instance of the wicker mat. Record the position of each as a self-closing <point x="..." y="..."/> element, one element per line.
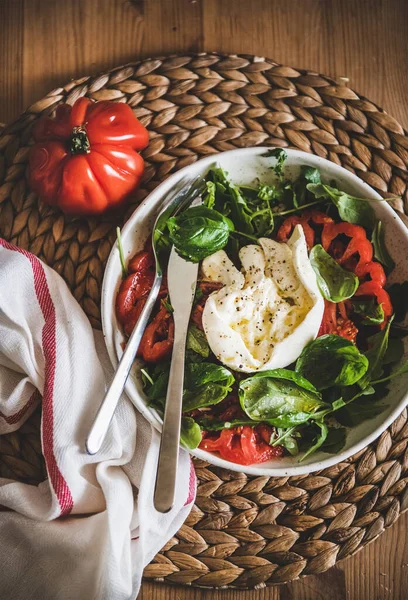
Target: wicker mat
<point x="243" y="531"/>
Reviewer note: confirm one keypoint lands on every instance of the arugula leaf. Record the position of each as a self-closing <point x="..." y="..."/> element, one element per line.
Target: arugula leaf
<point x="167" y="304"/>
<point x="331" y="360"/>
<point x="208" y="424"/>
<point x="399" y="298"/>
<point x="380" y="250"/>
<point x="190" y="433"/>
<point x="121" y="253"/>
<point x="197" y="341"/>
<point x="209" y="195"/>
<point x="311" y="174"/>
<point x="335" y="283"/>
<point x="357" y="412"/>
<point x="230" y="200"/>
<point x="281" y="397"/>
<point x="353" y="210"/>
<point x="281" y="157"/>
<point x="335" y="440"/>
<point x="377" y="347"/>
<point x="394" y="352"/>
<point x="286" y="438"/>
<point x="400" y="371"/>
<point x="199" y="232"/>
<point x="320" y="439"/>
<point x="372" y="313"/>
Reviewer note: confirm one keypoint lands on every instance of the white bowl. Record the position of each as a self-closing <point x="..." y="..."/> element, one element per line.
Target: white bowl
<point x="245" y="166"/>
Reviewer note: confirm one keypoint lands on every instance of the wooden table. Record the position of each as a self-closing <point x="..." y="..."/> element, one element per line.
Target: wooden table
<point x="44" y="43"/>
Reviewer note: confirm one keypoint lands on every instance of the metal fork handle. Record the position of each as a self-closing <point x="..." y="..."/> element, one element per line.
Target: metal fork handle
<point x="107" y="408"/>
<point x="169" y="447"/>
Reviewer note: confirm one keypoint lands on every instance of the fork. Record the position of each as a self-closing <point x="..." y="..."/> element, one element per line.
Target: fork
<point x="179" y="200"/>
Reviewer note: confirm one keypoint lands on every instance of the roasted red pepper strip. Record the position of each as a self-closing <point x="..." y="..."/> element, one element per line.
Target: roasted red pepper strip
<point x="158" y="338"/>
<point x="372" y="288"/>
<point x="373" y="270"/>
<point x="285" y="230"/>
<point x="308" y="216"/>
<point x="343" y="253"/>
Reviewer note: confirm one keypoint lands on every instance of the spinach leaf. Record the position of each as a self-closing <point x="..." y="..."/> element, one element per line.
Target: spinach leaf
<point x="198" y="232"/>
<point x="280" y="397"/>
<point x="320" y="439"/>
<point x="190" y="433"/>
<point x="371" y="312"/>
<point x="197" y="341"/>
<point x="281" y="157"/>
<point x="380" y="250"/>
<point x="331" y="360"/>
<point x="351" y="209"/>
<point x="335" y="440"/>
<point x="205" y="384"/>
<point x="335" y="283"/>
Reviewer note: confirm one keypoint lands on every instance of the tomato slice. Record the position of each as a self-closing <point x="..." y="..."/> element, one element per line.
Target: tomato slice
<point x="243" y="445"/>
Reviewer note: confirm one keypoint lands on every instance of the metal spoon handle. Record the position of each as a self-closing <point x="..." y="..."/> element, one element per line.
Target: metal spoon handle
<point x="107" y="408"/>
<point x="169" y="447"/>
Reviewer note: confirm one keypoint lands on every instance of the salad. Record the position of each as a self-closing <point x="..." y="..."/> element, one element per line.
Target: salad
<point x="294" y="334"/>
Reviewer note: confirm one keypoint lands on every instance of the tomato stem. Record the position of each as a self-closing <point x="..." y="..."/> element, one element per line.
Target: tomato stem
<point x="79" y="142"/>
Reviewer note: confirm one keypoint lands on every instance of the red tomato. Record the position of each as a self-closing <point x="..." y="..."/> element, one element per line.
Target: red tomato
<point x="85" y="160"/>
<point x="243" y="445"/>
<point x="337" y="324"/>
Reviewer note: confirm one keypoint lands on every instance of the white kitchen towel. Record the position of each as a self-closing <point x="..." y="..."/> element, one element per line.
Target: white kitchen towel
<point x="87" y="532"/>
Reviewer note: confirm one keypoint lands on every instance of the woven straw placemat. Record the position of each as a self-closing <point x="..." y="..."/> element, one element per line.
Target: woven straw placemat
<point x="243" y="531"/>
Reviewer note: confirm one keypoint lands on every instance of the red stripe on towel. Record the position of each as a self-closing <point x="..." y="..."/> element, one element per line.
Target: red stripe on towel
<point x="42" y="291"/>
<point x="12" y="419"/>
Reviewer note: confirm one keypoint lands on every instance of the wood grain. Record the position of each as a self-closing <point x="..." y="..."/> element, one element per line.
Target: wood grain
<point x="44" y="43"/>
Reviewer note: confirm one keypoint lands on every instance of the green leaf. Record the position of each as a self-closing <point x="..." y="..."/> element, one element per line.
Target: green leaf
<point x="281" y="157"/>
<point x="399" y="298"/>
<point x="353" y="210"/>
<point x="311" y="174"/>
<point x="380" y="249"/>
<point x="400" y="371"/>
<point x="357" y="412"/>
<point x="320" y="439"/>
<point x="197" y="341"/>
<point x="335" y="440"/>
<point x="208" y="424"/>
<point x="377" y="347"/>
<point x="371" y="312"/>
<point x="205" y="384"/>
<point x="335" y="283"/>
<point x="209" y="195"/>
<point x="121" y="253"/>
<point x="199" y="232"/>
<point x="280" y="397"/>
<point x="167" y="305"/>
<point x="394" y="352"/>
<point x="190" y="433"/>
<point x="230" y="200"/>
<point x="331" y="360"/>
<point x="288" y="438"/>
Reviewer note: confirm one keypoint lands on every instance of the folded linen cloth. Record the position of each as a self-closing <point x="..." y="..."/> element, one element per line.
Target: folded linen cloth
<point x="88" y="531"/>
